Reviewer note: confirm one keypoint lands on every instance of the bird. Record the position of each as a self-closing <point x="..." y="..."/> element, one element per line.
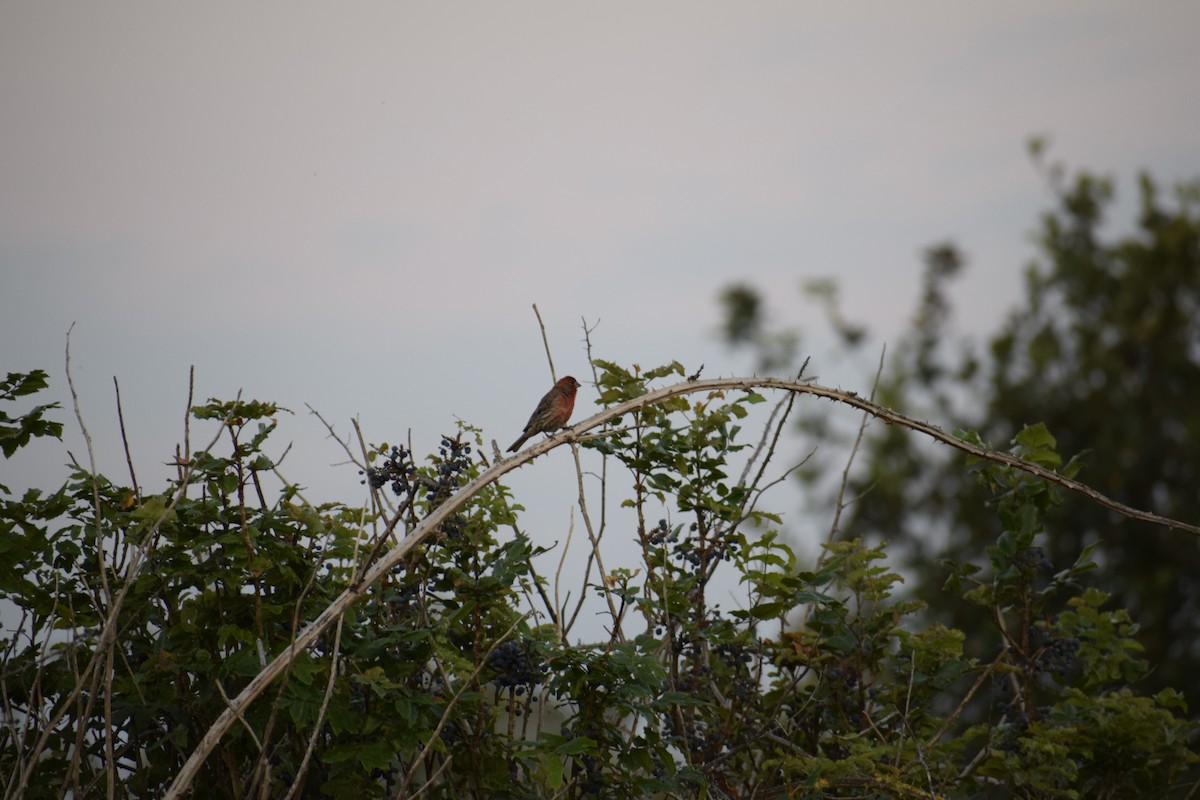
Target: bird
<point x="552" y="411"/>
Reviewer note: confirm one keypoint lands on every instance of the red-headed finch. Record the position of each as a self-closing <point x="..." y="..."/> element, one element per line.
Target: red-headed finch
<point x="552" y="412"/>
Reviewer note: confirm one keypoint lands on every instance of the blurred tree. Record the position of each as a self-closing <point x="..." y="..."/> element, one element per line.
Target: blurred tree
<point x="1105" y="350"/>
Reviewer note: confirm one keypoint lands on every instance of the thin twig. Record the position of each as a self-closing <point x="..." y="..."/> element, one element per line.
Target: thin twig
<point x="541" y="590"/>
<point x="350" y="457"/>
<point x="379" y="500"/>
<point x="187" y="425"/>
<point x="109" y="630"/>
<point x="587" y="569"/>
<point x="785" y="405"/>
<point x="755" y="492"/>
<point x="249" y="728"/>
<point x="962" y="705"/>
<point x="437" y="730"/>
<point x="841" y="503"/>
<point x="545" y="342"/>
<point x="594" y="538"/>
<point x="302" y="771"/>
<point x="87" y="439"/>
<point x="436" y="774"/>
<point x="137" y="492"/>
<point x="562" y="609"/>
<point x="102" y="567"/>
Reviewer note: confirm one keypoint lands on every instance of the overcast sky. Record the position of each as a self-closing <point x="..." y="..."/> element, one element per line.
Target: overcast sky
<point x="353" y="205"/>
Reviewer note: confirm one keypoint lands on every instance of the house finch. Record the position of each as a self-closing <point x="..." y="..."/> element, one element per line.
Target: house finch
<point x="552" y="412"/>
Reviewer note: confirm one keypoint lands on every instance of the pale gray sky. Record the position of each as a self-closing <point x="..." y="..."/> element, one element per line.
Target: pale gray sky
<point x="354" y="204"/>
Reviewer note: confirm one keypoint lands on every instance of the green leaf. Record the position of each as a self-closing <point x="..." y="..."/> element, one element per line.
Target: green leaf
<point x="553" y="767"/>
<point x="1035" y="443"/>
<point x="770" y="610"/>
<point x="575" y="746"/>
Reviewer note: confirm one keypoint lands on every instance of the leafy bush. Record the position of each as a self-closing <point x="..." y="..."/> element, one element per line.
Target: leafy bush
<point x="132" y="619"/>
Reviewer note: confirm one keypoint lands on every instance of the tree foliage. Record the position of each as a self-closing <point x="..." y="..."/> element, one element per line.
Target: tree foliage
<point x="1104" y="349"/>
<point x="135" y="616"/>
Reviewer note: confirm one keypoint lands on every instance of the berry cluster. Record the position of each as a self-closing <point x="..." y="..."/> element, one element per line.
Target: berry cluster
<point x="400" y="599"/>
<point x="689" y="550"/>
<point x="451" y="733"/>
<point x="733" y="653"/>
<point x="453" y="527"/>
<point x="701" y="741"/>
<point x="1034" y="559"/>
<point x="1014" y="725"/>
<point x="398" y="469"/>
<point x="661" y="534"/>
<point x="453" y="460"/>
<point x="455" y="456"/>
<point x="593" y="783"/>
<point x="515" y="665"/>
<point x="1057" y="656"/>
<point x="842" y="677"/>
<point x="1016" y="716"/>
<point x="695" y="679"/>
<point x="738" y="660"/>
